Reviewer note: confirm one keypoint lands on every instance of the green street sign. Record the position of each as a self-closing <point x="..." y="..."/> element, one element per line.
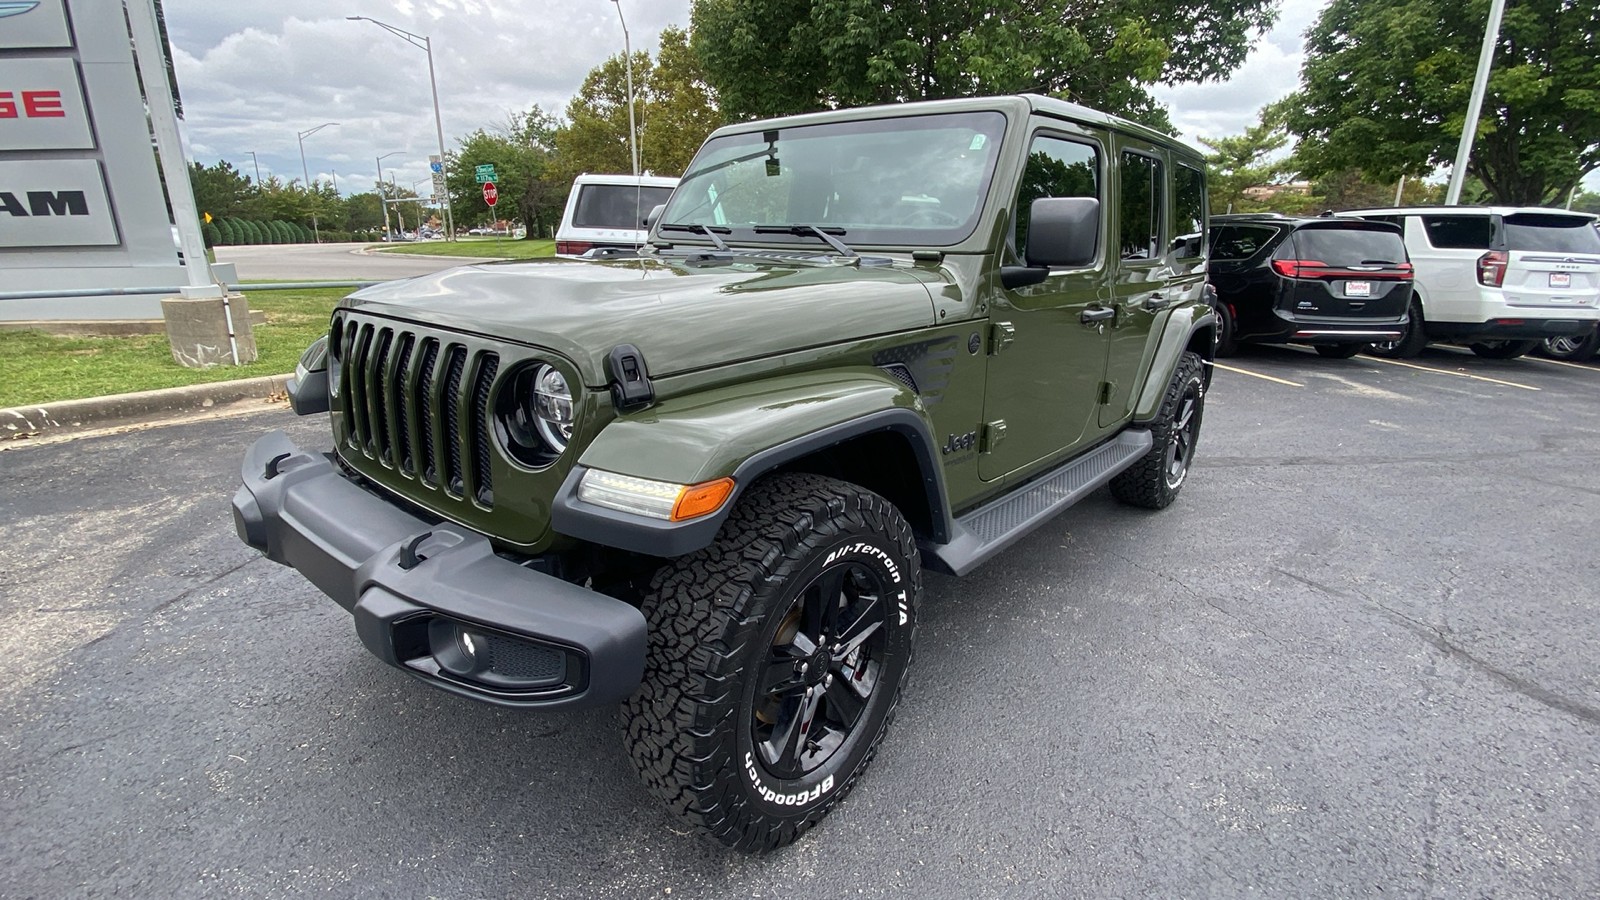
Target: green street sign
<point x="485" y="173"/>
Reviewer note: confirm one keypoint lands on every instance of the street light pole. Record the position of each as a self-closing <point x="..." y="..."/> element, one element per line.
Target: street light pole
<point x="426" y="44"/>
<point x="315" y="230"/>
<point x="257" y="165"/>
<point x="627" y="55"/>
<point x="1469" y="128"/>
<point x="383" y="200"/>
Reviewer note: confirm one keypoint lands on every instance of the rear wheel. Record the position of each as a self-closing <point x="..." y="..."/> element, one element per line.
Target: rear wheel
<point x="1154" y="481"/>
<point x="1573" y="349"/>
<point x="1339" y="351"/>
<point x="775" y="662"/>
<point x="1503" y="349"/>
<point x="1411" y="341"/>
<point x="1227" y="344"/>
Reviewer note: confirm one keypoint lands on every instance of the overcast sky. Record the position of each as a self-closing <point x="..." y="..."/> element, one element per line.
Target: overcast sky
<point x="255" y="72"/>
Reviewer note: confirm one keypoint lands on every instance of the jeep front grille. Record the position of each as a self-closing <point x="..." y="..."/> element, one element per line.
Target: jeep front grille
<point x="418" y="403"/>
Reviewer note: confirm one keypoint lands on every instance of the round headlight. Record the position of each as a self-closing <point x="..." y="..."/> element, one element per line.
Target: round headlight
<point x="552" y="407"/>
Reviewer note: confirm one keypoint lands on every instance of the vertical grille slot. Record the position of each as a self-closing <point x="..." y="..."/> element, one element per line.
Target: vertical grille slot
<point x="400" y="391"/>
<point x="425" y="418"/>
<point x="455" y="365"/>
<point x="360" y="426"/>
<point x="378" y="397"/>
<point x="482" y="480"/>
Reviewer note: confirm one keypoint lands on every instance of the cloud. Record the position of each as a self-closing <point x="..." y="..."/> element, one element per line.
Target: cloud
<point x="255" y="72"/>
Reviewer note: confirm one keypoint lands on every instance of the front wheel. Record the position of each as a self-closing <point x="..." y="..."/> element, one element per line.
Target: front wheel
<point x="1339" y="351"/>
<point x="776" y="657"/>
<point x="1503" y="349"/>
<point x="1154" y="481"/>
<point x="1577" y="348"/>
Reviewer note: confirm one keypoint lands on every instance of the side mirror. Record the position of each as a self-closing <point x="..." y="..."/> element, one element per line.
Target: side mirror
<point x="1063" y="232"/>
<point x="654" y="216"/>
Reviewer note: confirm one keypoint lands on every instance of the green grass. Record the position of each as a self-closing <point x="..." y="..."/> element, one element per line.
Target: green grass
<point x="505" y="248"/>
<point x="40" y="368"/>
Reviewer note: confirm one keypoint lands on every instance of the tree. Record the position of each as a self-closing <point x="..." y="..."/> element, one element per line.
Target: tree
<point x="1245" y="161"/>
<point x="674" y="109"/>
<point x="219" y="189"/>
<point x="364" y="212"/>
<point x="1385" y="86"/>
<point x="776" y="57"/>
<point x="520" y="151"/>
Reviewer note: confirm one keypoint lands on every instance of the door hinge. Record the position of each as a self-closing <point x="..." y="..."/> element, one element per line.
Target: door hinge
<point x="1000" y="337"/>
<point x="1107" y="388"/>
<point x="993" y="433"/>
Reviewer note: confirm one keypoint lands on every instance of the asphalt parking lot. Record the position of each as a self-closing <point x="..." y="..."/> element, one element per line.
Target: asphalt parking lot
<point x="1356" y="658"/>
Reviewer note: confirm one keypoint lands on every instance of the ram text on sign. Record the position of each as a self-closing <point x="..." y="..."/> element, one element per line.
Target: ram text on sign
<point x="54" y="203"/>
<point x="41" y="105"/>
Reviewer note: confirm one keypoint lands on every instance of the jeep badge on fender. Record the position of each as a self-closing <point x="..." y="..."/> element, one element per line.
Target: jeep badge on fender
<point x="730" y="541"/>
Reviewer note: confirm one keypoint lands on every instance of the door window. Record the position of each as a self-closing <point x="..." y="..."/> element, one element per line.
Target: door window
<point x="1189" y="206"/>
<point x="1236" y="242"/>
<point x="1459" y="232"/>
<point x="1056" y="168"/>
<point x="1141" y="198"/>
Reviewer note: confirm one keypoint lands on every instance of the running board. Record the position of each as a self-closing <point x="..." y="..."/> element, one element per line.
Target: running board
<point x="989" y="529"/>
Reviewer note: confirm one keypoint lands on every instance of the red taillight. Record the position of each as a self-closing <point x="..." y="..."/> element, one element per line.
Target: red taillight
<point x="1299" y="268"/>
<point x="573" y="248"/>
<point x="1407" y="271"/>
<point x="1492" y="268"/>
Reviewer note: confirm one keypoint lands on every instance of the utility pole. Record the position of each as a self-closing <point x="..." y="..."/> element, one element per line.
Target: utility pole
<point x="1469" y="128"/>
<point x="426" y="44"/>
<point x="315" y="230"/>
<point x="383" y="199"/>
<point x="627" y="55"/>
<point x="257" y="165"/>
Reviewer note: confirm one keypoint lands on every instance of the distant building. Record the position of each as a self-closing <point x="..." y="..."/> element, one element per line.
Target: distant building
<point x="1268" y="191"/>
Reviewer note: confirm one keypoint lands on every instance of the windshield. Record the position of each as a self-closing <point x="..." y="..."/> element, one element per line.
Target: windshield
<point x="616" y="205"/>
<point x="1551" y="233"/>
<point x="1350" y="246"/>
<point x="912" y="180"/>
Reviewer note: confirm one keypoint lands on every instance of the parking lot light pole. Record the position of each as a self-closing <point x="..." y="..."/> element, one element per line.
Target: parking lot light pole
<point x="257" y="165"/>
<point x="1469" y="128"/>
<point x="315" y="231"/>
<point x="627" y="56"/>
<point x="426" y="44"/>
<point x="383" y="199"/>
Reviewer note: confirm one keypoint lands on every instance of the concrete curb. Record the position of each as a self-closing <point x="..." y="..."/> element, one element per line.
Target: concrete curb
<point x="120" y="409"/>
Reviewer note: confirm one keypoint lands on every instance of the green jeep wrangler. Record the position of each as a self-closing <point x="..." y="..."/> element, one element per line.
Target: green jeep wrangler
<point x="703" y="480"/>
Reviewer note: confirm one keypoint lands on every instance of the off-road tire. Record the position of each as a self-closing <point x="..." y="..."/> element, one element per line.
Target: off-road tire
<point x="1573" y="349"/>
<point x="1339" y="351"/>
<point x="1153" y="482"/>
<point x="1411" y="343"/>
<point x="716" y="617"/>
<point x="1503" y="349"/>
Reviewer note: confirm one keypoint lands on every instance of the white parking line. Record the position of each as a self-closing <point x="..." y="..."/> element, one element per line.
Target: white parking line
<point x="1257" y="375"/>
<point x="1562" y="362"/>
<point x="1396" y="362"/>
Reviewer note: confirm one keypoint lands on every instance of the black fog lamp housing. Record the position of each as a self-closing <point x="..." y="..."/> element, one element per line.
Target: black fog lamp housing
<point x="492" y="659"/>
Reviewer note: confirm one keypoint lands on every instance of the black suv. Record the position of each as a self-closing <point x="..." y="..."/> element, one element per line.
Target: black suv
<point x="1335" y="284"/>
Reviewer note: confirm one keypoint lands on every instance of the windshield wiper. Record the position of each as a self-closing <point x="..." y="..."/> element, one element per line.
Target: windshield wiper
<point x="1379" y="262"/>
<point x="826" y="233"/>
<point x="709" y="231"/>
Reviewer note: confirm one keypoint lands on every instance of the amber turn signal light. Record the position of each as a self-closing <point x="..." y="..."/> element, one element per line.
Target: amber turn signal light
<point x="702" y="499"/>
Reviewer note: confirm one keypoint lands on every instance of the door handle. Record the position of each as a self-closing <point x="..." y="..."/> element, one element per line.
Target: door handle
<point x="1154" y="302"/>
<point x="1091" y="316"/>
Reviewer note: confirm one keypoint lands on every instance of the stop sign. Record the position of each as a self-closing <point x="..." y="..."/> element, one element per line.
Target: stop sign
<point x="491" y="194"/>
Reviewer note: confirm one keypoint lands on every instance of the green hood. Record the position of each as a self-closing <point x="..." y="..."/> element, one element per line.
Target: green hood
<point x="680" y="317"/>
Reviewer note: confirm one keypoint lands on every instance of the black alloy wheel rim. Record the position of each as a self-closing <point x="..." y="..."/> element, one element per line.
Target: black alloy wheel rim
<point x="1180" y="450"/>
<point x="821" y="672"/>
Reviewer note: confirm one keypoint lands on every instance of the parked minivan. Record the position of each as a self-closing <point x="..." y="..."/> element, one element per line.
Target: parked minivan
<point x="608" y="211"/>
<point x="1335" y="284"/>
<point x="1499" y="279"/>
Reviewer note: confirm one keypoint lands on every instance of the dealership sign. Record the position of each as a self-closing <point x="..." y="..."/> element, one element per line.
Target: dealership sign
<point x="33" y="24"/>
<point x="41" y="105"/>
<point x="54" y="203"/>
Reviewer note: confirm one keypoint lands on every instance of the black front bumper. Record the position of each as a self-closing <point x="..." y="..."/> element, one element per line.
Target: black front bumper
<point x="403" y="577"/>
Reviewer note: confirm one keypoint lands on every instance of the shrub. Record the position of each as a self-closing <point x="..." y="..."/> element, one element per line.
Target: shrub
<point x="211" y="233"/>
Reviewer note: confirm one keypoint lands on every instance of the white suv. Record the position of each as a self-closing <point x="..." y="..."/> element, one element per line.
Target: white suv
<point x="608" y="211"/>
<point x="1497" y="278"/>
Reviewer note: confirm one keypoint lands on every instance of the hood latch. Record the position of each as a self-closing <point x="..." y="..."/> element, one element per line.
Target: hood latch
<point x="630" y="380"/>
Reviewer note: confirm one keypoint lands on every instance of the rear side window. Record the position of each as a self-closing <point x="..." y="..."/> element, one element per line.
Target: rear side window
<point x="1189" y="207"/>
<point x="1141" y="207"/>
<point x="1565" y="234"/>
<point x="1459" y="232"/>
<point x="1056" y="168"/>
<point x="1349" y="246"/>
<point x="616" y="205"/>
<point x="1233" y="242"/>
